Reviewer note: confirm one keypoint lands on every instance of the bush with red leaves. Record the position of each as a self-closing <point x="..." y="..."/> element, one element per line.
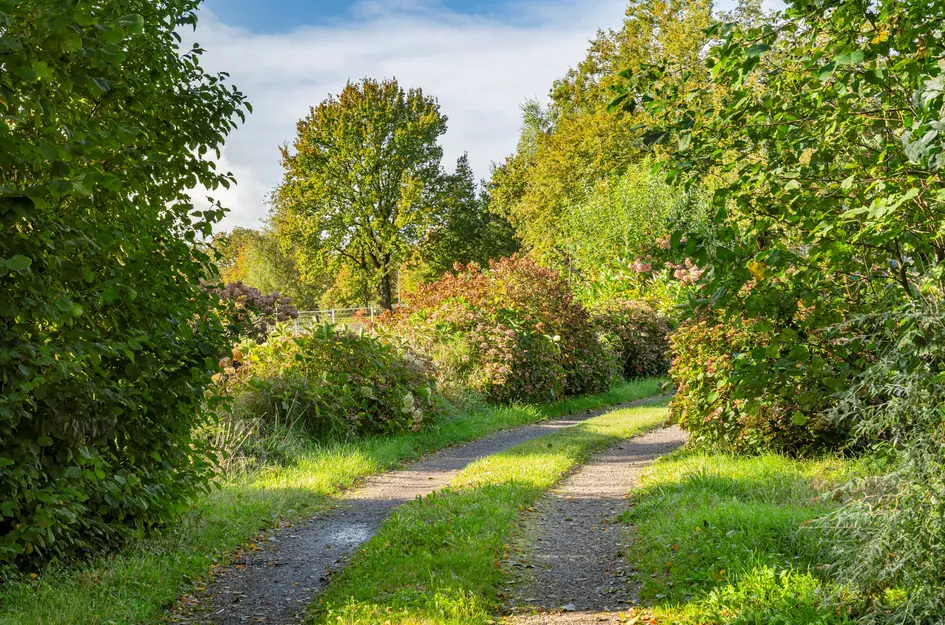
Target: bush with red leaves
<point x="513" y="332"/>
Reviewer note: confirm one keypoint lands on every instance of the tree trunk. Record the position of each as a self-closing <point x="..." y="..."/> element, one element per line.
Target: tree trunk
<point x="386" y="292"/>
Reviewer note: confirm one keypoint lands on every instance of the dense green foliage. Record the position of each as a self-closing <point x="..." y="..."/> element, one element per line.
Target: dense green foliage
<point x="706" y="371"/>
<point x="465" y="230"/>
<point x="330" y="383"/>
<point x="577" y="188"/>
<point x="362" y="180"/>
<point x="256" y="258"/>
<point x="107" y="341"/>
<point x="513" y="332"/>
<point x="638" y="334"/>
<point x="886" y="540"/>
<point x="829" y="208"/>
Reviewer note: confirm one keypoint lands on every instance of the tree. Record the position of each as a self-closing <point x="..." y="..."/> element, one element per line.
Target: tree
<point x="107" y="341"/>
<point x="361" y="181"/>
<point x="829" y="151"/>
<point x="572" y="145"/>
<point x="465" y="230"/>
<point x="256" y="258"/>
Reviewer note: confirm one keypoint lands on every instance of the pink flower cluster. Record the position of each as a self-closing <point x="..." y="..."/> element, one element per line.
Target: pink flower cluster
<point x="666" y="242"/>
<point x="688" y="273"/>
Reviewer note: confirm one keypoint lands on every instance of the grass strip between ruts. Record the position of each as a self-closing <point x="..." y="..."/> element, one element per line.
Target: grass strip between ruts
<point x="137" y="584"/>
<point x="437" y="559"/>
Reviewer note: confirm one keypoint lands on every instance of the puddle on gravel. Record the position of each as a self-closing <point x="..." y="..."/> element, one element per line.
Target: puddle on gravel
<point x="350" y="533"/>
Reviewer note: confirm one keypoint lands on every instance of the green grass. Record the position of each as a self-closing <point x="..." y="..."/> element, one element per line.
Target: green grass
<point x="437" y="559"/>
<point x="136" y="584"/>
<point x="721" y="540"/>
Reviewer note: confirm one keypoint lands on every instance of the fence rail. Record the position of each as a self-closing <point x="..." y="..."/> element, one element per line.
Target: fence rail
<point x="353" y="318"/>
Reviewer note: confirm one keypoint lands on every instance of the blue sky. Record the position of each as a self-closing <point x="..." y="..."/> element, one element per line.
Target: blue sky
<point x="284" y="15"/>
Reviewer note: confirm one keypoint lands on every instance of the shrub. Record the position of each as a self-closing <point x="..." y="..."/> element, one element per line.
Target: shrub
<point x="714" y="403"/>
<point x="106" y="340"/>
<point x="887" y="539"/>
<point x="330" y="383"/>
<point x="638" y="334"/>
<point x="250" y="314"/>
<point x="512" y="332"/>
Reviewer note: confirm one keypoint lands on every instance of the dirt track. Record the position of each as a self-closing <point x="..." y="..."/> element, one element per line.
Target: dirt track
<point x="572" y="568"/>
<point x="273" y="585"/>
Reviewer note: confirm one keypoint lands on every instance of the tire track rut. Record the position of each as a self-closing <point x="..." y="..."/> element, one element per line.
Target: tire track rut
<point x="275" y="584"/>
<point x="572" y="567"/>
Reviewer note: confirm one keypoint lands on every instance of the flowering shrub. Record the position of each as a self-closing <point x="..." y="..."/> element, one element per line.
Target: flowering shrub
<point x="330" y="383"/>
<point x="512" y="332"/>
<point x="638" y="334"/>
<point x="714" y="402"/>
<point x="252" y="314"/>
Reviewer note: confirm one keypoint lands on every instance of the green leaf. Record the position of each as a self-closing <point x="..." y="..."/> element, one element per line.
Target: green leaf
<point x="799" y="419"/>
<point x="6" y="508"/>
<point x="44" y="441"/>
<point x="654" y="136"/>
<point x="18" y="263"/>
<point x="756" y="50"/>
<point x="826" y="73"/>
<point x="850" y="58"/>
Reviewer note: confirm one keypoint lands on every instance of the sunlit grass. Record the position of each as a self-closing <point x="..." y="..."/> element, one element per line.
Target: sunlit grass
<point x="437" y="560"/>
<point x="722" y="540"/>
<point x="137" y="584"/>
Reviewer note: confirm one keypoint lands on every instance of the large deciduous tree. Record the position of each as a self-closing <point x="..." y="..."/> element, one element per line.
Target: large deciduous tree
<point x="107" y="341"/>
<point x="361" y="180"/>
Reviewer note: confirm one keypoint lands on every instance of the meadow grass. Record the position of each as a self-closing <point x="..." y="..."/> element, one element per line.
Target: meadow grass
<point x="722" y="540"/>
<point x="137" y="584"/>
<point x="438" y="559"/>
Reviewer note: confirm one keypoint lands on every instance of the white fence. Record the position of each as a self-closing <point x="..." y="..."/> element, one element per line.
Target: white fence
<point x="353" y="318"/>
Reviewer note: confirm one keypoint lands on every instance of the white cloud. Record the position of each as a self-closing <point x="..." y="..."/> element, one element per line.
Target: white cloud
<point x="480" y="69"/>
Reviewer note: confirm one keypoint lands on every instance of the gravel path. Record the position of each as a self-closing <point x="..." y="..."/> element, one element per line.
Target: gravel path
<point x="275" y="584"/>
<point x="572" y="568"/>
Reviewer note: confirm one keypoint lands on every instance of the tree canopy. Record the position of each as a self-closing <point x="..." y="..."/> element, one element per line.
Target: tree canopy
<point x="570" y="146"/>
<point x="464" y="229"/>
<point x="362" y="180"/>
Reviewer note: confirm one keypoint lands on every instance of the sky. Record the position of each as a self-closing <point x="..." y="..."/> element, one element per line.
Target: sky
<point x="480" y="58"/>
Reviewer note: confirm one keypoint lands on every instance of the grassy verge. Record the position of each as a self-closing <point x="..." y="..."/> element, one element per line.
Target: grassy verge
<point x="437" y="560"/>
<point x="137" y="584"/>
<point x="722" y="540"/>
